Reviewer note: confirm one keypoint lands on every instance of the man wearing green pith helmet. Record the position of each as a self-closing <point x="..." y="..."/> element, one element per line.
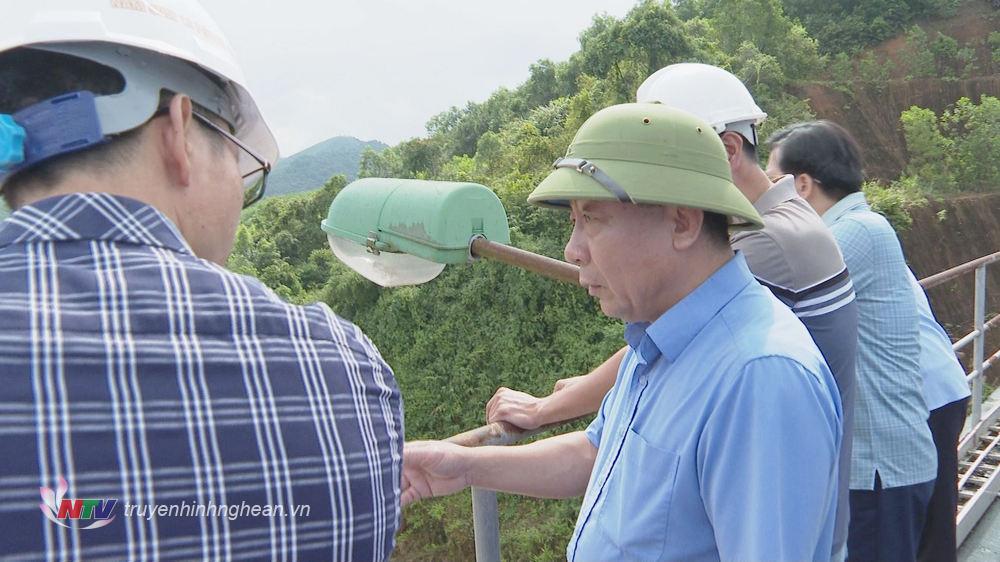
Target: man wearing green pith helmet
<point x="719" y="439"/>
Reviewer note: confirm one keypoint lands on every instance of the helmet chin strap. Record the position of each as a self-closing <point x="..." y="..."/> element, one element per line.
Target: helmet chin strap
<point x="748" y="129"/>
<point x="591" y="169"/>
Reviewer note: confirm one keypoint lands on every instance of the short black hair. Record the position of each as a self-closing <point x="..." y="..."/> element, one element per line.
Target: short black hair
<point x="29" y="76"/>
<point x="717" y="228"/>
<point x="825" y="151"/>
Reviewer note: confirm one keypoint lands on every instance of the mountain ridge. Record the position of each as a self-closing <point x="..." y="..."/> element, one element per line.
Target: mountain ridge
<point x="310" y="168"/>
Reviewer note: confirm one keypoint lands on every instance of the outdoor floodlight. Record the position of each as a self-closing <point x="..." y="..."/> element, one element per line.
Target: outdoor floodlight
<point x="403" y="232"/>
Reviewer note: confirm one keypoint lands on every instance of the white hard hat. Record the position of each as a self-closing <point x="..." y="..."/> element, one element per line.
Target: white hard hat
<point x="162" y="44"/>
<point x="708" y="92"/>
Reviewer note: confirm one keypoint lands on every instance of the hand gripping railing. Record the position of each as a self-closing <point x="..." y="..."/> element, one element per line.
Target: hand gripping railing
<point x="485" y="514"/>
<point x="484" y="502"/>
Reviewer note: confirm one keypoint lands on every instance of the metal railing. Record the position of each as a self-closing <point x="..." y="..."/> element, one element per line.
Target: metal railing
<point x="484" y="502"/>
<point x="485" y="514"/>
<point x="975" y="443"/>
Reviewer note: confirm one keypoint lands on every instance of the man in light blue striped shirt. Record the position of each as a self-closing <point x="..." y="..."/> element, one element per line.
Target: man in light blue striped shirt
<point x="894" y="463"/>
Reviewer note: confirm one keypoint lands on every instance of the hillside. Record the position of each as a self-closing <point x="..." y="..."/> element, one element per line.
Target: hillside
<point x="949" y="232"/>
<point x="949" y="58"/>
<point x="312" y="167"/>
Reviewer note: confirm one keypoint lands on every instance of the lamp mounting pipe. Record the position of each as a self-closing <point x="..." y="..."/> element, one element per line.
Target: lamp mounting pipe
<point x="542" y="265"/>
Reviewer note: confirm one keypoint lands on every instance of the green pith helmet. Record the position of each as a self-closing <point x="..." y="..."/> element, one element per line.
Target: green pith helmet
<point x="647" y="153"/>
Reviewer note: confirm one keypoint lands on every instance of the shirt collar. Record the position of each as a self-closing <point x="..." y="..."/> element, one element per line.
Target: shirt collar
<point x="92" y="216"/>
<point x="782" y="190"/>
<point x="678" y="326"/>
<point x="853" y="202"/>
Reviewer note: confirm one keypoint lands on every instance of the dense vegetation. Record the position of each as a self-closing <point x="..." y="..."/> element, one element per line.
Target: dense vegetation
<point x="453" y="341"/>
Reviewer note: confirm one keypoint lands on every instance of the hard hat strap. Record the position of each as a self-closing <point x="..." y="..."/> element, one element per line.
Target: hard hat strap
<point x="748" y="129"/>
<point x="591" y="169"/>
<point x="63" y="124"/>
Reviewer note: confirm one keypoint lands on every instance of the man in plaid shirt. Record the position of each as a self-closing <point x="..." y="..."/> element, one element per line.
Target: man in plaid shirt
<point x="167" y="408"/>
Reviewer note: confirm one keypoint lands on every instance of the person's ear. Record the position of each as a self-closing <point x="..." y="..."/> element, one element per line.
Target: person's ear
<point x="806" y="186"/>
<point x="688" y="226"/>
<point x="734" y="146"/>
<point x="175" y="137"/>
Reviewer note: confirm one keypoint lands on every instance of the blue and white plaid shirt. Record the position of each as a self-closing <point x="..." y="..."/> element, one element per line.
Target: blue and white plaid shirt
<point x="140" y="373"/>
<point x="890" y="417"/>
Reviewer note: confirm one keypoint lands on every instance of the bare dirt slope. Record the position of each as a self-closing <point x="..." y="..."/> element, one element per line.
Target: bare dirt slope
<point x="871" y="111"/>
<point x="968" y="228"/>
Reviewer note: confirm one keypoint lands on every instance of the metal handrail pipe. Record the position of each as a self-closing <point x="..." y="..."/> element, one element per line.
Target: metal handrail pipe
<point x="949" y="274"/>
<point x="989" y="362"/>
<point x="986" y="365"/>
<point x="971" y="336"/>
<point x="502" y="433"/>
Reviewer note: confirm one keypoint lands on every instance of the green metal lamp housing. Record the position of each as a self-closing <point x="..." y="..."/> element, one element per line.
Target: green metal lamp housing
<point x="402" y="232"/>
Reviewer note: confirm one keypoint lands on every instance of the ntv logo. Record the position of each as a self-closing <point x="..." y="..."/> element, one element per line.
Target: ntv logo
<point x="56" y="507"/>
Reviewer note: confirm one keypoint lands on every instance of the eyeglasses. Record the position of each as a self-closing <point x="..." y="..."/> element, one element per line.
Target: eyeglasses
<point x="253" y="167"/>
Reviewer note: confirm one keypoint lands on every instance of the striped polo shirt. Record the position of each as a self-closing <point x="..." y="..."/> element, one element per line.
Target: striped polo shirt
<point x="796" y="256"/>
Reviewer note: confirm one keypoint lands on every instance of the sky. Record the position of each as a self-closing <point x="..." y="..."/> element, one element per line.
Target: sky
<point x="380" y="69"/>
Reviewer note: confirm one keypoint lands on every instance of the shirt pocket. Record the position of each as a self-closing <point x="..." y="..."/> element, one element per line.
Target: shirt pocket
<point x="638" y="495"/>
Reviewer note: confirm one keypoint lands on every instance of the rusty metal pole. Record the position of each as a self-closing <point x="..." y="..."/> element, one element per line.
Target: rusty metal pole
<point x="542" y="265"/>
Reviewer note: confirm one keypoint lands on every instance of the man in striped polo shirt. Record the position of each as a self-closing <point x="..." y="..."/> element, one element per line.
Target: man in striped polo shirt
<point x="794" y="255"/>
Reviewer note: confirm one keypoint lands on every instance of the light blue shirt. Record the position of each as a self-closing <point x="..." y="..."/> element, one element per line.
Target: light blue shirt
<point x="944" y="377"/>
<point x="890" y="417"/>
<point x="719" y="439"/>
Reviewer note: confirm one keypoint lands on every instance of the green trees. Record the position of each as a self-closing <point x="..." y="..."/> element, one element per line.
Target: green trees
<point x="941" y="56"/>
<point x="626" y="51"/>
<point x="849" y="25"/>
<point x="956" y="151"/>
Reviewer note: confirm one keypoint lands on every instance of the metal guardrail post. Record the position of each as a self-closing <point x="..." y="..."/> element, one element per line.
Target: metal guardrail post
<point x="485" y="513"/>
<point x="979" y="345"/>
<point x="486" y="522"/>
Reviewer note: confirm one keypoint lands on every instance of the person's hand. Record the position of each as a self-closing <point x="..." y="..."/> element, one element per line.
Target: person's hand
<point x="433" y="468"/>
<point x="563" y="384"/>
<point x="516" y="407"/>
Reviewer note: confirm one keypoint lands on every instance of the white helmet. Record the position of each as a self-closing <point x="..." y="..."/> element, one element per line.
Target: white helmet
<point x="155" y="45"/>
<point x="708" y="92"/>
